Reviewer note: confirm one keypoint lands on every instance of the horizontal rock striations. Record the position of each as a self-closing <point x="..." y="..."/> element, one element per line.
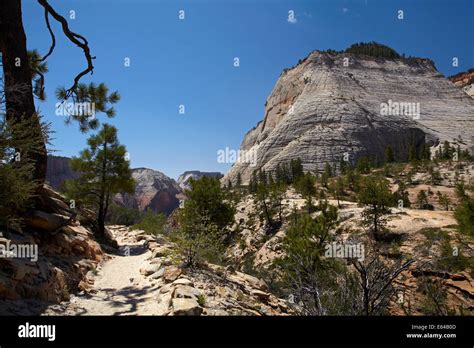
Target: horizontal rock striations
<point x="330" y="105"/>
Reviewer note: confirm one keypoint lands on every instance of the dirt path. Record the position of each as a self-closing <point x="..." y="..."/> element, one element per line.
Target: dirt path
<point x="119" y="288"/>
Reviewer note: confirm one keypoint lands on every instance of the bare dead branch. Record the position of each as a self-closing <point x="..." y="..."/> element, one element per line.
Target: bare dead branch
<point x="53" y="38"/>
<point x="75" y="38"/>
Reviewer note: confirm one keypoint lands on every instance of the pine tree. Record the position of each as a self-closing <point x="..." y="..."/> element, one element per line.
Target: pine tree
<point x="104" y="172"/>
<point x="296" y="169"/>
<point x="446" y="151"/>
<point x="363" y="165"/>
<point x="425" y="152"/>
<point x="327" y="173"/>
<point x="342" y="166"/>
<point x="280" y="174"/>
<point x="352" y="179"/>
<point x="207" y="196"/>
<point x="376" y="196"/>
<point x="336" y="186"/>
<point x="422" y="199"/>
<point x="444" y="200"/>
<point x="263" y="194"/>
<point x="464" y="214"/>
<point x="306" y="187"/>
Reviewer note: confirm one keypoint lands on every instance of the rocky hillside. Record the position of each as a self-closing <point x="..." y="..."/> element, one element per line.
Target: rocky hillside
<point x="154" y="190"/>
<point x="464" y="80"/>
<point x="417" y="233"/>
<point x="183" y="180"/>
<point x="330" y="105"/>
<point x="61" y="250"/>
<point x="145" y="279"/>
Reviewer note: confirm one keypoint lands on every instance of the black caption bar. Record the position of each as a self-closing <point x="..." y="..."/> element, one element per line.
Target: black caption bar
<point x="291" y="331"/>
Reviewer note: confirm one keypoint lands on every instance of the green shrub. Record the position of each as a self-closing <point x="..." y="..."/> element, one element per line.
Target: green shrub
<point x="152" y="223"/>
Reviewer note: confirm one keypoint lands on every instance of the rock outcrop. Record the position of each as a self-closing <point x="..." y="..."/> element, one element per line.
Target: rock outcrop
<point x="465" y="81"/>
<point x="183" y="180"/>
<point x="154" y="190"/>
<point x="50" y="256"/>
<point x="151" y="281"/>
<point x="332" y="105"/>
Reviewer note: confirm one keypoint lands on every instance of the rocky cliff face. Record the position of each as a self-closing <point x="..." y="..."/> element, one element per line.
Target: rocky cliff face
<point x="332" y="105"/>
<point x="58" y="171"/>
<point x="154" y="190"/>
<point x="183" y="180"/>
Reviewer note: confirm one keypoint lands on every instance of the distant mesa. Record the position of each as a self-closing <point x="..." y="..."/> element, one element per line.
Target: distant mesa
<point x="183" y="179"/>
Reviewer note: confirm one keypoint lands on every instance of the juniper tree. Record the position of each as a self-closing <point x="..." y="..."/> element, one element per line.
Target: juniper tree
<point x="104" y="172"/>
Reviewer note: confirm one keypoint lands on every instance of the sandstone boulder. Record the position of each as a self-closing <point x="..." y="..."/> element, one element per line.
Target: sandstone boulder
<point x="171" y="273"/>
<point x="186" y="306"/>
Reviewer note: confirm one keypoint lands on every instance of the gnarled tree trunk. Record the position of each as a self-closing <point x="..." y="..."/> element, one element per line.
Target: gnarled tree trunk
<point x="17" y="78"/>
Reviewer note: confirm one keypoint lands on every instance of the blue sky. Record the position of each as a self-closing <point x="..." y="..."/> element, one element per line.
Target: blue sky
<point x="190" y="62"/>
